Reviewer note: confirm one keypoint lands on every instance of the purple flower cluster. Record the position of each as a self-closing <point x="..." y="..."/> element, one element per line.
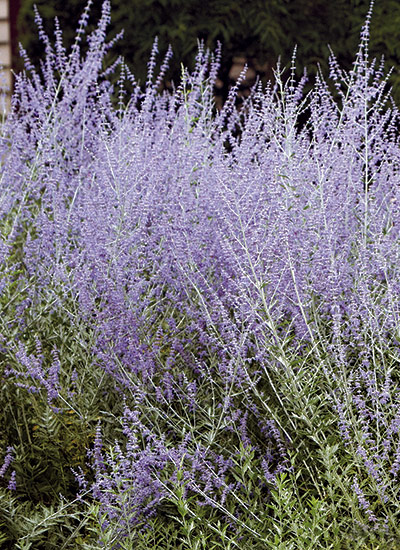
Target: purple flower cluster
<point x="195" y="242"/>
<point x="130" y="483"/>
<point x="8" y="460"/>
<point x="31" y="367"/>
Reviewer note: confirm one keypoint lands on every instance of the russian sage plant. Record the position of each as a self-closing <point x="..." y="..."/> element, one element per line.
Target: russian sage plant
<point x="213" y="296"/>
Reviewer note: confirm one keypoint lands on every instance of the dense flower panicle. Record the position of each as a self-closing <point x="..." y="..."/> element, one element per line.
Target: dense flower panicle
<point x="7" y="461"/>
<point x="364" y="504"/>
<point x="199" y="247"/>
<point x="12" y="484"/>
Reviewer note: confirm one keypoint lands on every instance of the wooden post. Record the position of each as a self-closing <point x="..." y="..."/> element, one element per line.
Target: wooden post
<point x="8" y="45"/>
<point x="5" y="53"/>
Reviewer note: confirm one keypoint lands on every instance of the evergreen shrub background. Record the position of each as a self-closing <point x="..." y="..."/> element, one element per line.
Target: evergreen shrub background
<point x="260" y="30"/>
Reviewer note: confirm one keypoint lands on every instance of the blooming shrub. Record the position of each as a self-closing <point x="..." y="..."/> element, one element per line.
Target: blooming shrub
<point x="219" y="289"/>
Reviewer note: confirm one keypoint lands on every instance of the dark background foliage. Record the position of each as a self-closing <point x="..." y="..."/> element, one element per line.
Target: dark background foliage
<point x="258" y="31"/>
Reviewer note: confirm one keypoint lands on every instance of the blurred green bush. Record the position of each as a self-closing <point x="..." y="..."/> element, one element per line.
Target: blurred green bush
<point x="258" y="30"/>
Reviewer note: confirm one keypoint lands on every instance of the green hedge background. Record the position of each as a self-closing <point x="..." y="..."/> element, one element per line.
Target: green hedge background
<point x="259" y="30"/>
